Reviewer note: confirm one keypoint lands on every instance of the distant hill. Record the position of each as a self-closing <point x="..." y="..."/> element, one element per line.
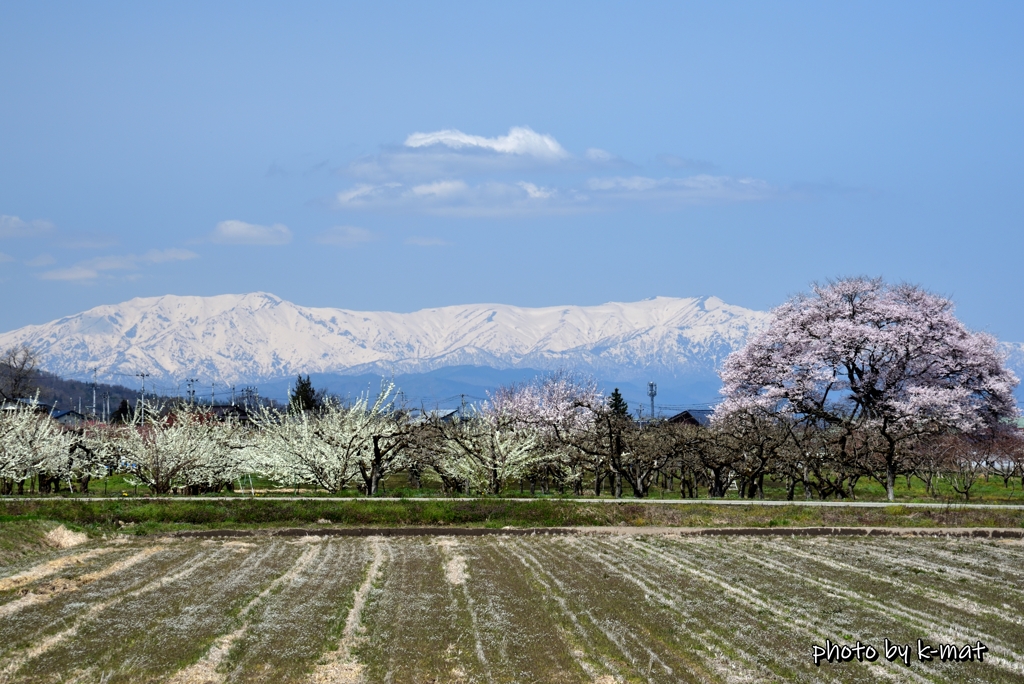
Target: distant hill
<point x="78" y="395"/>
<point x="258" y="339"/>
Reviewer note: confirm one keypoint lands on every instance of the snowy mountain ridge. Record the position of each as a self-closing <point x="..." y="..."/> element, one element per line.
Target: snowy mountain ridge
<point x="236" y="339"/>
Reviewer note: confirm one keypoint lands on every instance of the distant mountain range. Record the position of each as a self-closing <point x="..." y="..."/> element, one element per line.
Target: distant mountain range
<point x="260" y="339"/>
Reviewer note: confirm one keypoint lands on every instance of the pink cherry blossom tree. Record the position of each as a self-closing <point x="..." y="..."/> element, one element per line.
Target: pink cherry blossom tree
<point x="861" y="357"/>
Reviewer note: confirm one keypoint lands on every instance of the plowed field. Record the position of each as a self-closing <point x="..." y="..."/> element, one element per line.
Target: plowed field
<point x="510" y="609"/>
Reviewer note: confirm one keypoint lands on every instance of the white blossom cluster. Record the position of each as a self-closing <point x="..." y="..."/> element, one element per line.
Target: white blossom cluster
<point x="858" y="379"/>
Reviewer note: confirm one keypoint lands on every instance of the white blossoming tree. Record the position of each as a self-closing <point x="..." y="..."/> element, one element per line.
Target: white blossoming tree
<point x="187" y="448"/>
<point x="331" y="446"/>
<point x="30" y="442"/>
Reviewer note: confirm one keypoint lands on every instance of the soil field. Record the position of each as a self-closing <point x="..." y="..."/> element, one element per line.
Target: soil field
<point x="503" y="608"/>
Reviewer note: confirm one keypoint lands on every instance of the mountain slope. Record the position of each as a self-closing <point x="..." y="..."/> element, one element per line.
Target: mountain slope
<point x="246" y="338"/>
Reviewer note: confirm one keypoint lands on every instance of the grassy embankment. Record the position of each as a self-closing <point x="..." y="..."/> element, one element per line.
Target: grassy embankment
<point x="140" y="516"/>
<point x="990" y="490"/>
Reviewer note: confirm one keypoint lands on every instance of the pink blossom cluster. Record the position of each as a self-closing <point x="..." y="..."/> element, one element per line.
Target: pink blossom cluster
<point x="860" y="352"/>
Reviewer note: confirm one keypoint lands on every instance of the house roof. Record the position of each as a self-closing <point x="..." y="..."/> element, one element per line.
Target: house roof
<point x="16" y="404"/>
<point x="693" y="417"/>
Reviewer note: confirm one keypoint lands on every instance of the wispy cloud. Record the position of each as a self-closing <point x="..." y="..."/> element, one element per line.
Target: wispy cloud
<point x="345" y="236"/>
<point x="234" y="232"/>
<point x="496" y="199"/>
<point x="84" y="240"/>
<point x="91" y="269"/>
<point x="459" y="198"/>
<point x="14" y="227"/>
<point x="41" y="260"/>
<point x="521" y="140"/>
<point x="535" y="191"/>
<point x="72" y="273"/>
<point x="692" y="189"/>
<point x="450" y="152"/>
<point x="453" y="173"/>
<point x="417" y="241"/>
<point x="5" y="258"/>
<point x="161" y="256"/>
<point x="441" y="189"/>
<point x="673" y="161"/>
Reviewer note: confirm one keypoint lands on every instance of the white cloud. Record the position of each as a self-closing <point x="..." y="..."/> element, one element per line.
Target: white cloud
<point x="456" y="197"/>
<point x="5" y="258"/>
<point x="520" y="140"/>
<point x="440" y="189"/>
<point x="241" y="233"/>
<point x="85" y="241"/>
<point x="452" y="173"/>
<point x="160" y="256"/>
<point x="534" y="191"/>
<point x="123" y="262"/>
<point x="364" y="192"/>
<point x="92" y="269"/>
<point x="13" y="227"/>
<point x="426" y="242"/>
<point x="693" y="189"/>
<point x="73" y="273"/>
<point x="41" y="260"/>
<point x="345" y="236"/>
<point x="676" y="162"/>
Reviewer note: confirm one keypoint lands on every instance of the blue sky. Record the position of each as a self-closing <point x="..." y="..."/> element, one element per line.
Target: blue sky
<point x="398" y="155"/>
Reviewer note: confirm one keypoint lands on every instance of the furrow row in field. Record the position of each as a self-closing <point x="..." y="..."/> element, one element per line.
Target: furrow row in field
<point x="983" y="560"/>
<point x="522" y="632"/>
<point x="205" y="670"/>
<point x="878" y="594"/>
<point x="797" y="627"/>
<point x="642" y="631"/>
<point x="946" y="599"/>
<point x="50" y="567"/>
<point x="839" y="605"/>
<point x="602" y="628"/>
<point x="42" y="584"/>
<point x="849" y="614"/>
<point x="417" y="628"/>
<point x="584" y="646"/>
<point x="301" y="620"/>
<point x="930" y="557"/>
<point x="454" y="570"/>
<point x="965" y="561"/>
<point x="756" y="636"/>
<point x="22" y="628"/>
<point x="35" y="633"/>
<point x="188" y="610"/>
<point x="339" y="666"/>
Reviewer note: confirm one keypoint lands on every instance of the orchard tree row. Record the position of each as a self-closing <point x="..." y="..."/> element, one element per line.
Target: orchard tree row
<point x="857" y="380"/>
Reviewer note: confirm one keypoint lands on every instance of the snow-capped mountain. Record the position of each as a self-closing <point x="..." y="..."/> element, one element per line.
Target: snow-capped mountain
<point x="237" y="339"/>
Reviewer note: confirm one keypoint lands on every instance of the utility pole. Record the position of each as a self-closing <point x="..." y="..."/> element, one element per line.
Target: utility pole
<point x="232" y="395"/>
<point x="652" y="391"/>
<point x="94" y="393"/>
<point x="143" y="376"/>
<point x="212" y="402"/>
<point x="191" y="382"/>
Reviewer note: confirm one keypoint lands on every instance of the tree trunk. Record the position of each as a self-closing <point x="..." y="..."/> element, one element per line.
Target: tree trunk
<point x="890" y="479"/>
